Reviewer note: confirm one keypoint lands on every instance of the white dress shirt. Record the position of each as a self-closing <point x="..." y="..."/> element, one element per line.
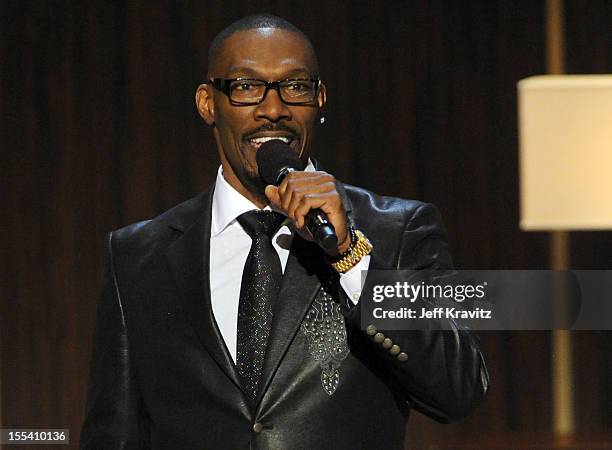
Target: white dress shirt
<point x="229" y="248"/>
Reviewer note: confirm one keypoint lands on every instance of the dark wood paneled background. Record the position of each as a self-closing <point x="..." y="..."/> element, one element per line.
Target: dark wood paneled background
<point x="99" y="130"/>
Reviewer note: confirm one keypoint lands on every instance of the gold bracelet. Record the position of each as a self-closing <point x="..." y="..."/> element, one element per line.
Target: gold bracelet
<point x="354" y="254"/>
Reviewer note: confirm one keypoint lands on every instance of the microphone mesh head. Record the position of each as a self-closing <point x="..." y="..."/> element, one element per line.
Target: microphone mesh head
<point x="274" y="156"/>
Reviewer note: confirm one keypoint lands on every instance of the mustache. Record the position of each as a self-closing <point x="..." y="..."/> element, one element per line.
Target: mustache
<point x="272" y="127"/>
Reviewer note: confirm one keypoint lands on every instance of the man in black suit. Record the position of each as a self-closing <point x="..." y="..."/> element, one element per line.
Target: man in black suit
<point x="180" y="361"/>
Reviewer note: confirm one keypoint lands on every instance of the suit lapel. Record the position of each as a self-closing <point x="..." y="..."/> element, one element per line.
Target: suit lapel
<point x="300" y="284"/>
<point x="189" y="260"/>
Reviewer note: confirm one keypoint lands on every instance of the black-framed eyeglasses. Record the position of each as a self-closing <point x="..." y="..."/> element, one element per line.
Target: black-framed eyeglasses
<point x="251" y="91"/>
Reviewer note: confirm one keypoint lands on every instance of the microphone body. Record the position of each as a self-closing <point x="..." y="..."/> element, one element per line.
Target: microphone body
<point x="276" y="160"/>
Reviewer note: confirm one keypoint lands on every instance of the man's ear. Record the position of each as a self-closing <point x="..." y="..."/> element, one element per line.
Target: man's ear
<point x="205" y="103"/>
<point x="322" y="97"/>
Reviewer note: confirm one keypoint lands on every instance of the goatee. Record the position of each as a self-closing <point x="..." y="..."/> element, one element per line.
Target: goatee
<point x="255" y="185"/>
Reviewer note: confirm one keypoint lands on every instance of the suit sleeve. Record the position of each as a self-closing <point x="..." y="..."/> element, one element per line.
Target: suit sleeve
<point x="444" y="374"/>
<point x="113" y="416"/>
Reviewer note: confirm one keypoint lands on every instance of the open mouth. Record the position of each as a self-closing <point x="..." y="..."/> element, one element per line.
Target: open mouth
<point x="257" y="141"/>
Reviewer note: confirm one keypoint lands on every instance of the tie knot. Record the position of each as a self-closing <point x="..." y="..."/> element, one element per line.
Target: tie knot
<point x="258" y="222"/>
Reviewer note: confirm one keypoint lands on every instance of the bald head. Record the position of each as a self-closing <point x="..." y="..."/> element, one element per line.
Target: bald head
<point x="254" y="22"/>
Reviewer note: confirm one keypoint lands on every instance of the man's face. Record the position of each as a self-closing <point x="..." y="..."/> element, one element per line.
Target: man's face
<point x="267" y="54"/>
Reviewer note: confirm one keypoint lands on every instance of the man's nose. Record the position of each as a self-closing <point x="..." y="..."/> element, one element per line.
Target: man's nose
<point x="272" y="108"/>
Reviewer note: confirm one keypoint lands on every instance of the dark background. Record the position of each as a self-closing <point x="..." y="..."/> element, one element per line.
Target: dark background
<point x="99" y="129"/>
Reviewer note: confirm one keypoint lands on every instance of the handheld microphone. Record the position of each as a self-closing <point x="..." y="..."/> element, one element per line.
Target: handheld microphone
<point x="276" y="160"/>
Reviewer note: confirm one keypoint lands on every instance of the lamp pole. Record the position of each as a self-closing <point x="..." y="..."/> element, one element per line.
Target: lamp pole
<point x="561" y="364"/>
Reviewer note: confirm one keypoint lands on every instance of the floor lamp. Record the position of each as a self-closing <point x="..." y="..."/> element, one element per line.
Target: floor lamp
<point x="565" y="158"/>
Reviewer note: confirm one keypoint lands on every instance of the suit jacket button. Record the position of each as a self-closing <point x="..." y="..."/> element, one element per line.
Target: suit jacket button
<point x="371" y="330"/>
<point x="379" y="337"/>
<point x="257" y="427"/>
<point x="394" y="350"/>
<point x="387" y="343"/>
<point x="403" y="357"/>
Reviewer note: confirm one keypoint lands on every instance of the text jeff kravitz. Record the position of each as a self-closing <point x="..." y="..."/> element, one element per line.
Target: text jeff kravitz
<point x="433" y="313"/>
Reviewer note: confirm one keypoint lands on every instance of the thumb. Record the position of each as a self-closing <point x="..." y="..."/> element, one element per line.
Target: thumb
<point x="273" y="195"/>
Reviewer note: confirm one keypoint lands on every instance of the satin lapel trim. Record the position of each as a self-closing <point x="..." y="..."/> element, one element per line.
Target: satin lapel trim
<point x="189" y="261"/>
<point x="298" y="289"/>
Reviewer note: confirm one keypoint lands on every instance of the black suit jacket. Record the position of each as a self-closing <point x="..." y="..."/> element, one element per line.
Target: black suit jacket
<point x="161" y="376"/>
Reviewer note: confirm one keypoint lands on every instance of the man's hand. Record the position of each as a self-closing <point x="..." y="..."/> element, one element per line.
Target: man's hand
<point x="302" y="191"/>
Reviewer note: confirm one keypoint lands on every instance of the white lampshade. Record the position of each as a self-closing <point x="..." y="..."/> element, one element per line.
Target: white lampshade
<point x="565" y="127"/>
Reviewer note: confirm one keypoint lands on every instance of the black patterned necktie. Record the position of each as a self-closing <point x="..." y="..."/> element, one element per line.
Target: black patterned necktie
<point x="261" y="281"/>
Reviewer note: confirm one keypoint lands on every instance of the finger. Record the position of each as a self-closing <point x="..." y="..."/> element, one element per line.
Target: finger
<point x="286" y="191"/>
<point x="296" y="200"/>
<point x="307" y="174"/>
<point x="273" y="196"/>
<point x="331" y="204"/>
<point x="312" y="201"/>
<point x="298" y="195"/>
<point x="304" y="179"/>
<point x="293" y="186"/>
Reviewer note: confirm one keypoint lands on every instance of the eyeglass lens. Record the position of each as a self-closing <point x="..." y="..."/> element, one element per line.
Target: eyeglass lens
<point x="293" y="91"/>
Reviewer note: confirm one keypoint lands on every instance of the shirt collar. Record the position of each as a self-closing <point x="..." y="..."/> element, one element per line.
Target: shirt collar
<point x="228" y="203"/>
